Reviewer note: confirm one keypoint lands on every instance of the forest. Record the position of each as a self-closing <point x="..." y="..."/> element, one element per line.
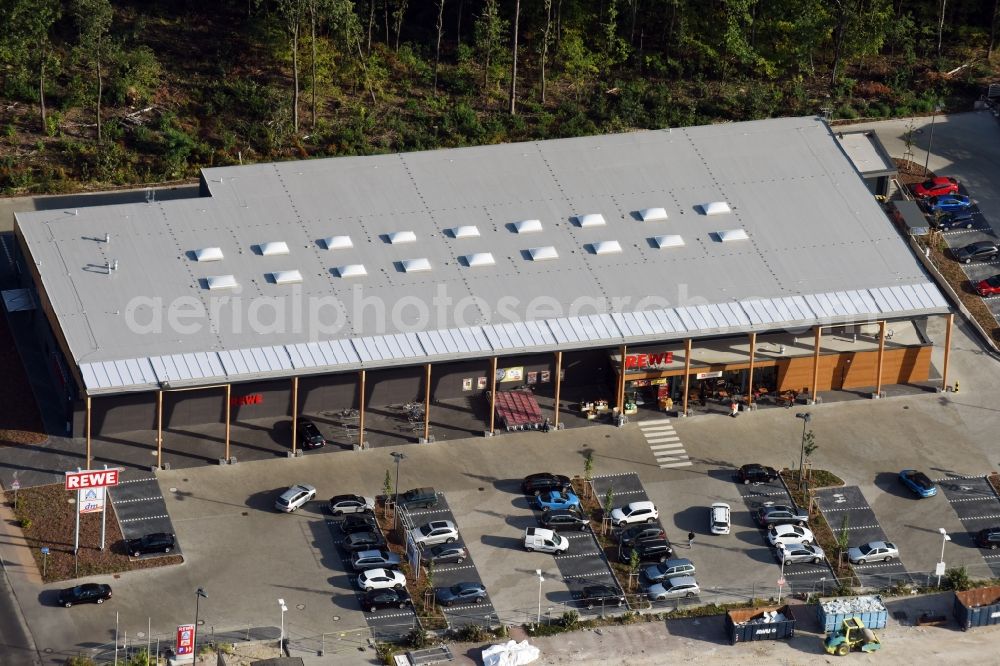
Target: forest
<point x="106" y="93"/>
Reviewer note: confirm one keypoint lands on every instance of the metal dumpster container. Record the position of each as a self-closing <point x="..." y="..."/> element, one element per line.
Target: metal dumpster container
<point x="978" y="608"/>
<point x="832" y="611"/>
<point x="769" y="623"/>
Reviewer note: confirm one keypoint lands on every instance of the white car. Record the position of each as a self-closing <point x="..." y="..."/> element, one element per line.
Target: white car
<point x="380" y="579"/>
<point x="636" y="512"/>
<point x="718" y="518"/>
<point x="295" y="497"/>
<point x="674" y="588"/>
<point x="788" y="534"/>
<point x="436" y="531"/>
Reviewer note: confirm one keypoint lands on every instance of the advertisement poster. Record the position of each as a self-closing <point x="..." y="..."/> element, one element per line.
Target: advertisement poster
<point x="467" y="384"/>
<point x="515" y="374"/>
<point x="546" y="376"/>
<point x="481" y="383"/>
<point x="90" y="500"/>
<point x="185" y="639"/>
<point x="532" y="377"/>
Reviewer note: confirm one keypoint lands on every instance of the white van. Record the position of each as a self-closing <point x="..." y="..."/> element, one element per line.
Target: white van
<point x="718" y="518"/>
<point x="545" y="541"/>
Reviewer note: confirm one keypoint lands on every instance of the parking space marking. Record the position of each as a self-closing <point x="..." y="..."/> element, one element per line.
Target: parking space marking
<point x="990" y="517"/>
<point x="595" y="574"/>
<point x="428" y="512"/>
<point x="577" y="555"/>
<point x="135" y="520"/>
<point x="388" y="616"/>
<point x="145" y="479"/>
<point x="447" y="569"/>
<point x="876" y="565"/>
<point x="141" y="499"/>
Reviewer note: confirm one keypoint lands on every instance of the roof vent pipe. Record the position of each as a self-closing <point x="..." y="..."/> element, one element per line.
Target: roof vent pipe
<point x="107" y="238"/>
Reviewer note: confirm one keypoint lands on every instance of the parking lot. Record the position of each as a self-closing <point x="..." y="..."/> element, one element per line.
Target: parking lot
<point x="140" y="508"/>
<point x="977" y="507"/>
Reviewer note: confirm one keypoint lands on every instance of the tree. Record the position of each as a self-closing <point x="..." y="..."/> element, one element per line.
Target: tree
<point x="488" y="29"/>
<point x="609" y="504"/>
<point x="292" y="12"/>
<point x="93" y="20"/>
<point x="397" y="19"/>
<point x="387" y="492"/>
<point x="29" y="26"/>
<point x="513" y="64"/>
<point x="546" y="37"/>
<point x="588" y="470"/>
<point x="437" y="51"/>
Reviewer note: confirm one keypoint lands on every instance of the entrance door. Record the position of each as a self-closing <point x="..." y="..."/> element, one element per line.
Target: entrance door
<point x="841" y="371"/>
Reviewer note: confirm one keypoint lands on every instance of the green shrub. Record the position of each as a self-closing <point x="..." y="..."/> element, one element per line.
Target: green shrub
<point x="958" y="579"/>
<point x="25" y="523"/>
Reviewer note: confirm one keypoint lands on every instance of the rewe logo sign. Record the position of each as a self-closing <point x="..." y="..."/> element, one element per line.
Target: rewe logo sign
<point x="639" y="361"/>
<point x="91" y="479"/>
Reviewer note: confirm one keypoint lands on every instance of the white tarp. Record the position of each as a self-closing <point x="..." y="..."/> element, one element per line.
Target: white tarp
<point x="511" y="653"/>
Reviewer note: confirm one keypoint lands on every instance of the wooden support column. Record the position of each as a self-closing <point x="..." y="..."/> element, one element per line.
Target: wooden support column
<point x="493" y="393"/>
<point x="815" y="383"/>
<point x="947" y="351"/>
<point x="687" y="373"/>
<point x="881" y="351"/>
<point x="159" y="429"/>
<point x="295" y="413"/>
<point x="229" y="395"/>
<point x="88" y="432"/>
<point x="361" y="410"/>
<point x="620" y="397"/>
<point x="427" y="406"/>
<point x="753" y="349"/>
<point x="558" y="386"/>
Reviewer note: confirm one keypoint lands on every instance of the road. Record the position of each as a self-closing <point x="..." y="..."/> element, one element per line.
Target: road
<point x="16" y="646"/>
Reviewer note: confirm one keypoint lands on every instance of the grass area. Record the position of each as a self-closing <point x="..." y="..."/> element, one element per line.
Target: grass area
<point x="47" y="519"/>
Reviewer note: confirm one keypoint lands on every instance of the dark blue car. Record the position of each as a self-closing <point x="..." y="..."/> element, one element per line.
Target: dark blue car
<point x="948" y="203"/>
<point x="918" y="483"/>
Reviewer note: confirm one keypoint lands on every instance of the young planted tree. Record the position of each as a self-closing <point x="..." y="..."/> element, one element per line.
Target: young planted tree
<point x="809" y="446"/>
<point x="609" y="504"/>
<point x="633" y="568"/>
<point x="588" y="470"/>
<point x="387" y="493"/>
<point x="292" y="13"/>
<point x="93" y="20"/>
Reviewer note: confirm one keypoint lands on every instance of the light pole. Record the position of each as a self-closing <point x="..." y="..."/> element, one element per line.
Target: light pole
<point x="806" y="417"/>
<point x="541" y="579"/>
<point x="281" y="636"/>
<point x="395" y="500"/>
<point x="198" y="596"/>
<point x="930" y="138"/>
<point x="944" y="539"/>
<point x="781" y="578"/>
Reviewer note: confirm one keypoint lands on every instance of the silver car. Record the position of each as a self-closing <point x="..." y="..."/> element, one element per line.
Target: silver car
<point x="674" y="588"/>
<point x="880" y="551"/>
<point x="295" y="497"/>
<point x="436" y="531"/>
<point x="795" y="553"/>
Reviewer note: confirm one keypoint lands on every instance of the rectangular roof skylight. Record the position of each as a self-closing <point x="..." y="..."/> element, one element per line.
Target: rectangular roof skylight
<point x="338" y="243"/>
<point x="467" y="231"/>
<point x="221" y="282"/>
<point x="286" y="277"/>
<point x="732" y="235"/>
<point x="416" y="265"/>
<point x="208" y="254"/>
<point x="273" y="248"/>
<point x="668" y="241"/>
<point x="716" y="208"/>
<point x="607" y="247"/>
<point x="542" y="253"/>
<point x="479" y="259"/>
<point x="652" y="214"/>
<point x="591" y="220"/>
<point x="352" y="270"/>
<point x="402" y="237"/>
<point x="528" y="226"/>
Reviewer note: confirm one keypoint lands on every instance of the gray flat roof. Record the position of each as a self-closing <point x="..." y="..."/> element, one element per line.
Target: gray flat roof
<point x="867" y="153"/>
<point x="818" y="249"/>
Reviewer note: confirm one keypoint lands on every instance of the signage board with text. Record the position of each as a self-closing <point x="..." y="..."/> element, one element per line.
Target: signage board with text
<point x="93" y="478"/>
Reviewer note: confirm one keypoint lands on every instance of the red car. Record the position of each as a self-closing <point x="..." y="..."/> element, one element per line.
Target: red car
<point x="935" y="187"/>
<point x="989" y="287"/>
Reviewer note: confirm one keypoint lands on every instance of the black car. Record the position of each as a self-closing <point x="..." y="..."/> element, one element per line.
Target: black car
<point x="563" y="519"/>
<point x="446" y="553"/>
<point x="419" y="498"/>
<point x="389" y="598"/>
<point x="359" y="522"/>
<point x="309" y="435"/>
<point x="650" y="550"/>
<point x="88" y="593"/>
<point x="980" y="251"/>
<point x="780" y="514"/>
<point x="159" y="542"/>
<point x="754" y="473"/>
<point x="363" y="541"/>
<point x="960" y="219"/>
<point x="988" y="538"/>
<point x="600" y="595"/>
<point x="535" y="484"/>
<point x="630" y="535"/>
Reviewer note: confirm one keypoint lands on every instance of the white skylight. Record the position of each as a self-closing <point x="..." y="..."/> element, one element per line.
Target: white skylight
<point x="591" y="220"/>
<point x="542" y="253"/>
<point x="208" y="254"/>
<point x="416" y="265"/>
<point x="668" y="241"/>
<point x="273" y="248"/>
<point x="480" y="259"/>
<point x="221" y="282"/>
<point x="468" y="231"/>
<point x="652" y="214"/>
<point x="402" y="237"/>
<point x="286" y="277"/>
<point x="528" y="226"/>
<point x="607" y="247"/>
<point x="732" y="235"/>
<point x="338" y="243"/>
<point x="352" y="270"/>
<point x="716" y="208"/>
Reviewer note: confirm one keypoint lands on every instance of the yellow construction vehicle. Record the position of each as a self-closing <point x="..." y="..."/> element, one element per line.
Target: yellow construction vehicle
<point x="853" y="634"/>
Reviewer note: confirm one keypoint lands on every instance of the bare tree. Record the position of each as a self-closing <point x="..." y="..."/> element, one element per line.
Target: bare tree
<point x="292" y="12"/>
<point x="545" y="42"/>
<point x="513" y="60"/>
<point x="993" y="29"/>
<point x="437" y="52"/>
<point x="93" y="18"/>
<point x="397" y="19"/>
<point x="944" y="3"/>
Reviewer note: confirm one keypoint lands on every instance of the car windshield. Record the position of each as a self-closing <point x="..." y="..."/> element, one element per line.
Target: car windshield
<point x="867" y="548"/>
<point x="993" y="281"/>
<point x="719" y="523"/>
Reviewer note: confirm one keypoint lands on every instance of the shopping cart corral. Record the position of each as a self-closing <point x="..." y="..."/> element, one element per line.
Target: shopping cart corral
<point x="518" y="410"/>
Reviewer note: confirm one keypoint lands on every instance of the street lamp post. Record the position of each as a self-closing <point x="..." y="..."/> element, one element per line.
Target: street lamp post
<point x="198" y="596"/>
<point x="281" y="635"/>
<point x="541" y="579"/>
<point x="944" y="539"/>
<point x="395" y="500"/>
<point x="781" y="578"/>
<point x="930" y="138"/>
<point x="806" y="417"/>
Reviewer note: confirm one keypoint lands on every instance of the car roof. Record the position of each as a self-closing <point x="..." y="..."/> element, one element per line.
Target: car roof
<point x="346" y="496"/>
<point x="720" y="505"/>
<point x="681" y="581"/>
<point x="368" y="553"/>
<point x="642" y="504"/>
<point x="651" y="544"/>
<point x="876" y="544"/>
<point x="678" y="562"/>
<point x="434" y="524"/>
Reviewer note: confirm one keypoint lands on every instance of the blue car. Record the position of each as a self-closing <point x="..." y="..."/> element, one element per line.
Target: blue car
<point x="948" y="203"/>
<point x="552" y="500"/>
<point x="918" y="483"/>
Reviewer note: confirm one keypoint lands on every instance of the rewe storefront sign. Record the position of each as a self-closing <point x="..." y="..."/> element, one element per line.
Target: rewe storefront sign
<point x="639" y="362"/>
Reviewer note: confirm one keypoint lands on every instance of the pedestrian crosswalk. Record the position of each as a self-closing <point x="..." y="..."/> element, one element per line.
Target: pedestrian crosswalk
<point x="664" y="443"/>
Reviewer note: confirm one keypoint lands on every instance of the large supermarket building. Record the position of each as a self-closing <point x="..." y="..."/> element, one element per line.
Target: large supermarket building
<point x="655" y="270"/>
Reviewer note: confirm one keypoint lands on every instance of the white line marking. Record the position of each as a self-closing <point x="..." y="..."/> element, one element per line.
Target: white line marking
<point x="660" y="440"/>
<point x="681" y="464"/>
<point x="674" y="445"/>
<point x="643" y="424"/>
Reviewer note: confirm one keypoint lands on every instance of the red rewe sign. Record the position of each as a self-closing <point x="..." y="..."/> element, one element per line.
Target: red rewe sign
<point x="91" y="479"/>
<point x="252" y="399"/>
<point x="640" y="361"/>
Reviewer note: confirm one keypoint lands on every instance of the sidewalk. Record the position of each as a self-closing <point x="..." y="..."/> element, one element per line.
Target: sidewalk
<point x="18" y="571"/>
